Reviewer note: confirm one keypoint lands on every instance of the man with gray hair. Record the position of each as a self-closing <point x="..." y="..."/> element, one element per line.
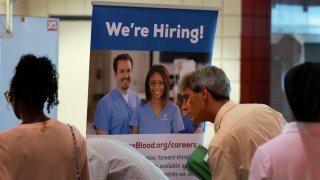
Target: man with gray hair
<point x="239" y="128"/>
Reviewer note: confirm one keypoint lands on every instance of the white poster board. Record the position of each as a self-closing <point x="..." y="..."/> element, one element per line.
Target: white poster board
<point x="167" y="151"/>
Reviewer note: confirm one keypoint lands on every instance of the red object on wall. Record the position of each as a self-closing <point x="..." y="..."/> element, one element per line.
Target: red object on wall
<point x="52" y="25"/>
<point x="255" y="51"/>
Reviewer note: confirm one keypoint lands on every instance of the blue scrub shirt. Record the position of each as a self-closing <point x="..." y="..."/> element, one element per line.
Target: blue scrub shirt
<point x="113" y="113"/>
<point x="168" y="121"/>
<point x="189" y="126"/>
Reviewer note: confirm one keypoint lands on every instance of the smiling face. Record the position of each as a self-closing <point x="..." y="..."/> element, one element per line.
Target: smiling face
<point x="194" y="104"/>
<point x="123" y="75"/>
<point x="156" y="86"/>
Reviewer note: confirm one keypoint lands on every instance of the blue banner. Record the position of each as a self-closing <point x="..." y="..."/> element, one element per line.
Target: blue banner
<point x="155" y="29"/>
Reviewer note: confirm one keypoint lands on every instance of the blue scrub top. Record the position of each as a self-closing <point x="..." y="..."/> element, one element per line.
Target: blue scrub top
<point x="113" y="113"/>
<point x="189" y="126"/>
<point x="168" y="121"/>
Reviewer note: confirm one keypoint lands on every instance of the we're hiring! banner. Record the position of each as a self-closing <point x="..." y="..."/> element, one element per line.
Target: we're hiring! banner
<point x="150" y="28"/>
<point x="141" y="30"/>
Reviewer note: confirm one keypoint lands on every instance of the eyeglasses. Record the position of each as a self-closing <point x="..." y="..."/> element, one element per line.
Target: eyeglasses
<point x="9" y="96"/>
<point x="185" y="97"/>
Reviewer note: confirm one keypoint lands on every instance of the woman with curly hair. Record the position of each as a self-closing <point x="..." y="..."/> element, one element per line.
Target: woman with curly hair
<point x="40" y="147"/>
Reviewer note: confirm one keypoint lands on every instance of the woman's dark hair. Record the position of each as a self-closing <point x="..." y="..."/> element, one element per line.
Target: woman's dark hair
<point x="302" y="87"/>
<point x="35" y="82"/>
<point x="166" y="81"/>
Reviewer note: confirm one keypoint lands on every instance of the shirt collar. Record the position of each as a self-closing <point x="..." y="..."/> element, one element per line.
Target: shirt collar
<point x="222" y="111"/>
<point x="118" y="93"/>
<point x="310" y="127"/>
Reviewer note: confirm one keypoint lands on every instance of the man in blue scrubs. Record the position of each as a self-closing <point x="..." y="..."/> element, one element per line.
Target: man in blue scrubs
<point x="114" y="110"/>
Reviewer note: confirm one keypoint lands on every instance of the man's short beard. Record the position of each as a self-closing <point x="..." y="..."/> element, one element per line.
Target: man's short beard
<point x="125" y="87"/>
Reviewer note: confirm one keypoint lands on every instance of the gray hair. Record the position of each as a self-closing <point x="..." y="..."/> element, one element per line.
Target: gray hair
<point x="212" y="78"/>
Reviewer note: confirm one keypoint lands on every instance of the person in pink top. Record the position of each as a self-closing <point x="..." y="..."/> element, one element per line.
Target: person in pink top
<point x="294" y="154"/>
<point x="40" y="147"/>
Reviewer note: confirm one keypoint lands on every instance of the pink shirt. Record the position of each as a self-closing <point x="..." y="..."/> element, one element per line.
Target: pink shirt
<point x="293" y="155"/>
<point x="240" y="129"/>
<point x="40" y="151"/>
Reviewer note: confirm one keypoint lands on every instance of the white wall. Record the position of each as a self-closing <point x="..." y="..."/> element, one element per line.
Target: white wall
<point x="75" y="41"/>
<point x="74" y="54"/>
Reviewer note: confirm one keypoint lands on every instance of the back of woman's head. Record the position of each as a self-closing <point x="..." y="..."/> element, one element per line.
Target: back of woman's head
<point x="35" y="82"/>
<point x="302" y="86"/>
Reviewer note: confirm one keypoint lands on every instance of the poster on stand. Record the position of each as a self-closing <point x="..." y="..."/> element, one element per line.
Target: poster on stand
<point x="180" y="38"/>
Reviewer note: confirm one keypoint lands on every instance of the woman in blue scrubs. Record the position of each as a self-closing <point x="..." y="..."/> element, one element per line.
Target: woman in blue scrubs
<point x="157" y="115"/>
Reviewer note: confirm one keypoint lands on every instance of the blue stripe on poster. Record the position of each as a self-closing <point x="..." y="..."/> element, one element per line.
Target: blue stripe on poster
<point x="157" y="29"/>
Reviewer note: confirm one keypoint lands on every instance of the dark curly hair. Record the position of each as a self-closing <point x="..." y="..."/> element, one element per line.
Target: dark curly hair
<point x="35" y="82"/>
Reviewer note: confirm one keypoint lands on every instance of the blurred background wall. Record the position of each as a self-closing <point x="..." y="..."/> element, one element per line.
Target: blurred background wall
<point x="256" y="43"/>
